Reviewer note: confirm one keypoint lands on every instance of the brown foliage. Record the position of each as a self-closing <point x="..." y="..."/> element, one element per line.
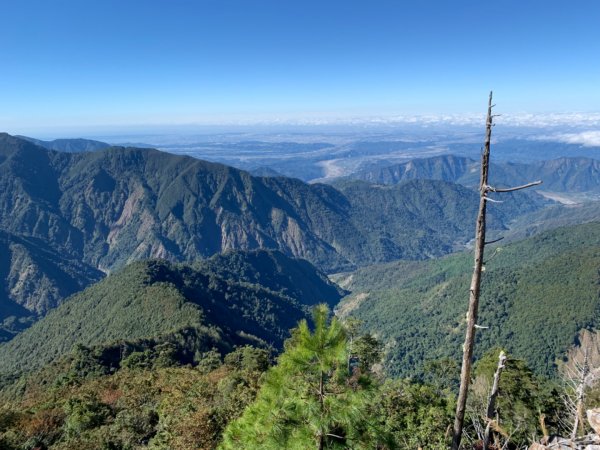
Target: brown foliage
<point x="44" y="425"/>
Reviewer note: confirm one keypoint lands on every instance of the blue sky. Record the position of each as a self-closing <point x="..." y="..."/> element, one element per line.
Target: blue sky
<point x="86" y="63"/>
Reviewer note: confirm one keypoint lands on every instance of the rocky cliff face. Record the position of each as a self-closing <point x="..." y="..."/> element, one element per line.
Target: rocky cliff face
<point x="36" y="278"/>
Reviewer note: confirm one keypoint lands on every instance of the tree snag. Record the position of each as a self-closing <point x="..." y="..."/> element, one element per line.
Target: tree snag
<point x="474" y="289"/>
<point x="490" y="414"/>
<point x="580" y="393"/>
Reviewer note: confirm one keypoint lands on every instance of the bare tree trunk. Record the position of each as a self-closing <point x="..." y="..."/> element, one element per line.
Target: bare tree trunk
<point x="580" y="394"/>
<point x="474" y="289"/>
<point x="491" y="407"/>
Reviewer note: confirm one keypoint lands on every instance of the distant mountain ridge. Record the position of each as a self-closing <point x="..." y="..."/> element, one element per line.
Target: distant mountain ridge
<point x="75" y="145"/>
<point x="576" y="174"/>
<point x="446" y="167"/>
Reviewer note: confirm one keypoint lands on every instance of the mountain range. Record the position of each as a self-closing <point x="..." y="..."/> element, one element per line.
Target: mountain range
<point x="145" y="293"/>
<point x="574" y="174"/>
<point x="68" y="218"/>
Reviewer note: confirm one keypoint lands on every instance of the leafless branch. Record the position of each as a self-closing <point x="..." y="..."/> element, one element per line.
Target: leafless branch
<point x="496" y="252"/>
<point x="516" y="188"/>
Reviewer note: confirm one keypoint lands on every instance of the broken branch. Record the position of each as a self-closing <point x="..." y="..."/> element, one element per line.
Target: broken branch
<point x="516" y="188"/>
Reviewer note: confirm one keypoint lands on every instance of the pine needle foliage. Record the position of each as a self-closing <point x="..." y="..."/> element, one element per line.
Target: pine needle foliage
<point x="309" y="399"/>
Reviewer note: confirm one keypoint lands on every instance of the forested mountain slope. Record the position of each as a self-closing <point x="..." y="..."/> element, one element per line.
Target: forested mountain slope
<point x="196" y="307"/>
<point x="537" y="295"/>
<point x="553" y="216"/>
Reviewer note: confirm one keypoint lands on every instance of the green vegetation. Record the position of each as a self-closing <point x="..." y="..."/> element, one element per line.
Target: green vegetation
<point x="133" y="408"/>
<point x="294" y="278"/>
<point x="537" y="295"/>
<point x="157" y="354"/>
<point x="197" y="308"/>
<point x="310" y="399"/>
<point x="555" y="216"/>
<point x="522" y="399"/>
<point x="415" y="415"/>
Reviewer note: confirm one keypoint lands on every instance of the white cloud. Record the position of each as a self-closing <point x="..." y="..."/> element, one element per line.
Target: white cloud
<point x="525" y="120"/>
<point x="585" y="138"/>
<point x="548" y="120"/>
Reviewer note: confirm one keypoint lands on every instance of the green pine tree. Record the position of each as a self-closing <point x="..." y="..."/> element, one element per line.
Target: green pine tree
<point x="309" y="399"/>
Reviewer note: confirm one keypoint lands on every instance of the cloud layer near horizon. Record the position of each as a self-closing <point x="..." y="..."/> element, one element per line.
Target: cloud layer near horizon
<point x="585" y="138"/>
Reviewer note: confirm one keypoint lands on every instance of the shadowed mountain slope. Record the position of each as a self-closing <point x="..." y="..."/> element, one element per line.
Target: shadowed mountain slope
<point x="161" y="301"/>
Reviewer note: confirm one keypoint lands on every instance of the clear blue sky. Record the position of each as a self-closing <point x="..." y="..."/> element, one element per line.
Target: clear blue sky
<point x="96" y="62"/>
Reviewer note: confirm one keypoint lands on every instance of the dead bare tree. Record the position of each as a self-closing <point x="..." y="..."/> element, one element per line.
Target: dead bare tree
<point x="475" y="287"/>
<point x="585" y="370"/>
<point x="491" y="415"/>
<point x="576" y="378"/>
